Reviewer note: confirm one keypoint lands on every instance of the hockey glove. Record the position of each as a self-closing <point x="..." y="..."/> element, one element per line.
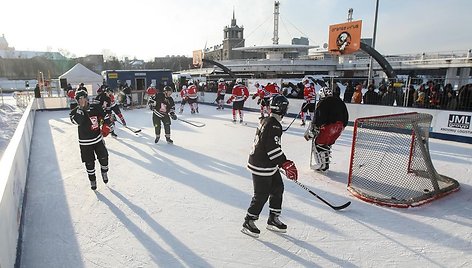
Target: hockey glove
<point x="254" y="96"/>
<point x="105" y="130"/>
<point x="173" y="116"/>
<point x="290" y="170"/>
<point x="228" y="101"/>
<point x="258" y="101"/>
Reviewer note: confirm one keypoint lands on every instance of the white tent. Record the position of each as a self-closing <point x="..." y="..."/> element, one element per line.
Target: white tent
<point x="81" y="74"/>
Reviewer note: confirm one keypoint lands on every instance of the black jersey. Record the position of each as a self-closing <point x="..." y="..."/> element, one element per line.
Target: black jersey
<point x="104" y="101"/>
<point x="89" y="123"/>
<point x="171" y="105"/>
<point x="267" y="154"/>
<point x="161" y="105"/>
<point x="331" y="110"/>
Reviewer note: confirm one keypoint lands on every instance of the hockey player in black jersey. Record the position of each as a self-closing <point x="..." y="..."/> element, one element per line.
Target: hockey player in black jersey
<point x="264" y="162"/>
<point x="92" y="124"/>
<point x="105" y="102"/>
<point x="331" y="117"/>
<point x="163" y="108"/>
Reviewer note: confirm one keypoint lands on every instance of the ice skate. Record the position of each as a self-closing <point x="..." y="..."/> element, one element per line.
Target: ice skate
<point x="93" y="185"/>
<point x="113" y="134"/>
<point x="250" y="228"/>
<point x="274" y="224"/>
<point x="168" y="139"/>
<point x="105" y="177"/>
<point x="157" y="139"/>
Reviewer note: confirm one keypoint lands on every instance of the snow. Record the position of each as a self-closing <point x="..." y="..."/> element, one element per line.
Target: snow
<point x="10" y="115"/>
<point x="183" y="205"/>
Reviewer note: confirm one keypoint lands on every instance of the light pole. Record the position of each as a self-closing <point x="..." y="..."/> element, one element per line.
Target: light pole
<point x="373" y="42"/>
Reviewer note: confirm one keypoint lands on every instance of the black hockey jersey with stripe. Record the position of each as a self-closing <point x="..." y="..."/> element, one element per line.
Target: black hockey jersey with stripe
<point x="89" y="122"/>
<point x="267" y="155"/>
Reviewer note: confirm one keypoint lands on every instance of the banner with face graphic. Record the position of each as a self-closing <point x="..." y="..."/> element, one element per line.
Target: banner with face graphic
<point x="345" y="38"/>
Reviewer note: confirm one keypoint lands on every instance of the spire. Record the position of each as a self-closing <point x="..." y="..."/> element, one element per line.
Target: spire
<point x="233" y="20"/>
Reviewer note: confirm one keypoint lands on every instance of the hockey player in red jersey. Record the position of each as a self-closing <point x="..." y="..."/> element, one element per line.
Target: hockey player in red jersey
<point x="264" y="99"/>
<point x="71" y="98"/>
<point x="183" y="98"/>
<point x="331" y="117"/>
<point x="273" y="89"/>
<point x="309" y="94"/>
<point x="115" y="108"/>
<point x="239" y="95"/>
<point x="192" y="96"/>
<point x="264" y="162"/>
<point x="93" y="125"/>
<point x="220" y="94"/>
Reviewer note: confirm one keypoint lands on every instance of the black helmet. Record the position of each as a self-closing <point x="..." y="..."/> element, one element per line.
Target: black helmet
<point x="80" y="93"/>
<point x="167" y="88"/>
<point x="279" y="105"/>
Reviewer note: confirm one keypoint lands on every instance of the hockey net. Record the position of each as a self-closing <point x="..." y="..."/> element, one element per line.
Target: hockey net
<point x="390" y="161"/>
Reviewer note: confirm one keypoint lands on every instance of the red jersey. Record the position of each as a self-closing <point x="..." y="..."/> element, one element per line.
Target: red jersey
<point x="192" y="92"/>
<point x="222" y="88"/>
<point x="71" y="94"/>
<point x="183" y="92"/>
<point x="262" y="93"/>
<point x="309" y="93"/>
<point x="240" y="93"/>
<point x="273" y="89"/>
<point x="151" y="91"/>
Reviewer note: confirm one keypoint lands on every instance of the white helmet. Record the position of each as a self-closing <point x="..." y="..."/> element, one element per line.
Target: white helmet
<point x="184" y="87"/>
<point x="190" y="82"/>
<point x="221" y="80"/>
<point x="305" y="80"/>
<point x="325" y="92"/>
<point x="239" y="81"/>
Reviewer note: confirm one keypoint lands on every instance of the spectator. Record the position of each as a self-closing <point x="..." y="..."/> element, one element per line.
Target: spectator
<point x="382" y="91"/>
<point x="389" y="97"/>
<point x="357" y="96"/>
<point x="371" y="97"/>
<point x="465" y="98"/>
<point x="451" y="99"/>
<point x="37" y="91"/>
<point x="349" y="92"/>
<point x="420" y="100"/>
<point x="434" y="97"/>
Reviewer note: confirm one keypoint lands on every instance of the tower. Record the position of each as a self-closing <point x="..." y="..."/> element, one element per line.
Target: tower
<point x="275" y="39"/>
<point x="233" y="37"/>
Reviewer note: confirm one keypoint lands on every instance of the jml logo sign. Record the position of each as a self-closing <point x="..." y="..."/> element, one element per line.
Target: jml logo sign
<point x="459" y="121"/>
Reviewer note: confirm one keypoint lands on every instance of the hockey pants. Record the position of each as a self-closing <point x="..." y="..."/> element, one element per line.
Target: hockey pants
<point x="271" y="188"/>
<point x="90" y="166"/>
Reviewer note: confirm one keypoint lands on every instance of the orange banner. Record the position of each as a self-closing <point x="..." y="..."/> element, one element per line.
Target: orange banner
<point x="345" y="38"/>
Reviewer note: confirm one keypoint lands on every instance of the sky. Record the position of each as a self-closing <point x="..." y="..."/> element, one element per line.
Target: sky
<point x="183" y="205"/>
<point x="150" y="28"/>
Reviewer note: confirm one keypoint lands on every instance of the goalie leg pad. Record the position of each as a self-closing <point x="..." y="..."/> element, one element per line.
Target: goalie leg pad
<point x="321" y="154"/>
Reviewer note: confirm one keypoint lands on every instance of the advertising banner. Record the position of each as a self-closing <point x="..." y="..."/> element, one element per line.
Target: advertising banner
<point x="345" y="38"/>
<point x="454" y="122"/>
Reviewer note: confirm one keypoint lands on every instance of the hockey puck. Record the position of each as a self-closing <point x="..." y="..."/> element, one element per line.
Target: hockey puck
<point x="426" y="190"/>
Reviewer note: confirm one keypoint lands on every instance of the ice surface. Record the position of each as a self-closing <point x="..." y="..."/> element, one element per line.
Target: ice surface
<point x="183" y="205"/>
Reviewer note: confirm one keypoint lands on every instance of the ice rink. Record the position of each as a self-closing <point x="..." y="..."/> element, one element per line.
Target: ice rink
<point x="183" y="205"/>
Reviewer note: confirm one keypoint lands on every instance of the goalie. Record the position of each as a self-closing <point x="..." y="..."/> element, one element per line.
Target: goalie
<point x="331" y="117"/>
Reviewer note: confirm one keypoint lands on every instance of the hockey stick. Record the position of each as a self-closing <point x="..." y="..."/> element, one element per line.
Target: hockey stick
<point x="129" y="128"/>
<point x="195" y="124"/>
<point x="324" y="201"/>
<point x="299" y="113"/>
